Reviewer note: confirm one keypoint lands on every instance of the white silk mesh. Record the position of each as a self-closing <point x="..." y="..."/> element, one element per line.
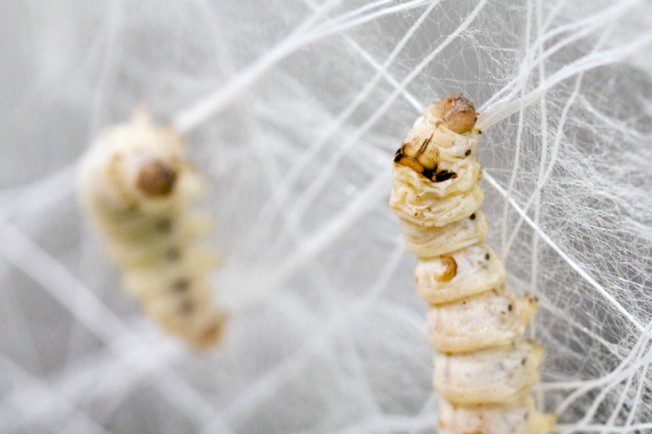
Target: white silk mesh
<point x="293" y="110"/>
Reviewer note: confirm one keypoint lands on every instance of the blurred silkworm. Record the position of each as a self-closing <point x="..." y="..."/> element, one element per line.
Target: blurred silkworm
<point x="136" y="187"/>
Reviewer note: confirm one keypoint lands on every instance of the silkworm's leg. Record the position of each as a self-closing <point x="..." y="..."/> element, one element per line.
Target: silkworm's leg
<point x="137" y="188"/>
<point x="484" y="368"/>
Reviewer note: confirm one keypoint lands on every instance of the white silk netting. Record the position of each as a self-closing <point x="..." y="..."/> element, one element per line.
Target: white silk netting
<point x="293" y="110"/>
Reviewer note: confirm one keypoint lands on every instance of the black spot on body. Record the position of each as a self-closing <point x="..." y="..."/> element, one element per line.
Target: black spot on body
<point x="487" y="256"/>
<point x="444" y="175"/>
<point x="164" y="225"/>
<point x="181" y="285"/>
<point x="172" y="254"/>
<point x="187" y="307"/>
<point x="467" y="153"/>
<point x="472" y="216"/>
<point x="131" y="208"/>
<point x="428" y="173"/>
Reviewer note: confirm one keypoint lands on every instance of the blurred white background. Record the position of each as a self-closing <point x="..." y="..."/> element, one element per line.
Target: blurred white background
<point x="293" y="110"/>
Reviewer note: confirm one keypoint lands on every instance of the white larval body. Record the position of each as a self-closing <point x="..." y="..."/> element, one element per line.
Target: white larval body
<point x="484" y="367"/>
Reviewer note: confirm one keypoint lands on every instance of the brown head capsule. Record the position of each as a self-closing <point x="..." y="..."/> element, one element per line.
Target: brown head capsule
<point x="457" y="113"/>
<point x="450" y="269"/>
<point x="156" y="178"/>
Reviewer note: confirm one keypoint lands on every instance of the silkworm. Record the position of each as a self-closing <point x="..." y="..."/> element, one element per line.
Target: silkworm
<point x="484" y="367"/>
<point x="137" y="187"/>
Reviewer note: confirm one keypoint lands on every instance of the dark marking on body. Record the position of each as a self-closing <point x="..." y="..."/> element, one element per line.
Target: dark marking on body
<point x="444" y="175"/>
<point x="429" y="173"/>
<point x="164" y="225"/>
<point x="181" y="285"/>
<point x="212" y="333"/>
<point x="173" y="254"/>
<point x="423" y="146"/>
<point x="398" y="155"/>
<point x="187" y="307"/>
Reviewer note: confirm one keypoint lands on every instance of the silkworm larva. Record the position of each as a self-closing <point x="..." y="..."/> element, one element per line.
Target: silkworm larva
<point x="484" y="369"/>
<point x="136" y="186"/>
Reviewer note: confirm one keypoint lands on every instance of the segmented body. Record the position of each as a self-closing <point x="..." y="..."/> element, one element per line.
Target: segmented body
<point x="136" y="186"/>
<point x="484" y="367"/>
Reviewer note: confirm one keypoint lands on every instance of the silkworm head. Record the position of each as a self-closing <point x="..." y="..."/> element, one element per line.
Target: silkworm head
<point x="457" y="113"/>
<point x="156" y="178"/>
